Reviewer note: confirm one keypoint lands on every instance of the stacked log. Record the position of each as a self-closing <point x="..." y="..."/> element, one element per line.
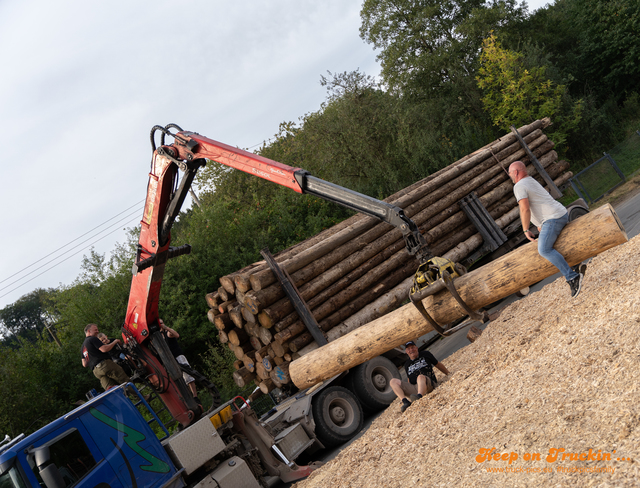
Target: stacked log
<point x="359" y="270"/>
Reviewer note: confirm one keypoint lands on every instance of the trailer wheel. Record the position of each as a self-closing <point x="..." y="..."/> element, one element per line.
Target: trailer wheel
<point x="337" y="415"/>
<point x="576" y="212"/>
<point x="370" y="382"/>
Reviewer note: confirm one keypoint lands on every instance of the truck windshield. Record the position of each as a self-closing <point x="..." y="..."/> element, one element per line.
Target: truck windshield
<point x="11" y="479"/>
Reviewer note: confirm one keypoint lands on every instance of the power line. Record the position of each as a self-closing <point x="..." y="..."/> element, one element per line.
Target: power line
<point x="62" y="247"/>
<point x="57" y="264"/>
<point x="117" y="224"/>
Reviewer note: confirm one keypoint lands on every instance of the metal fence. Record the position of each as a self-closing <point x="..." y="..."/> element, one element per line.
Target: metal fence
<point x="610" y="171"/>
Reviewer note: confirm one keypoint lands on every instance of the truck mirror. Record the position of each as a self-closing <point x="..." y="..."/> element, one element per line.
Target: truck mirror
<point x="48" y="471"/>
<point x="52" y="477"/>
<point x="42" y="455"/>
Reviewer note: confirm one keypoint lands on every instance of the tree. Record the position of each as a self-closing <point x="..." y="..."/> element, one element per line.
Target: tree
<point x="100" y="293"/>
<point x="27" y="318"/>
<point x="609" y="45"/>
<point x="516" y="95"/>
<point x="430" y="47"/>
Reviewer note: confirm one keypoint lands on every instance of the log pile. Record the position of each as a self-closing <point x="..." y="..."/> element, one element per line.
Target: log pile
<point x="359" y="270"/>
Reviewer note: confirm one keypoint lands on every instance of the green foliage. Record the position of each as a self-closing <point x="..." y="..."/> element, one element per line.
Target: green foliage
<point x="609" y="52"/>
<point x="516" y="95"/>
<point x="429" y="47"/>
<point x="40" y="382"/>
<point x="217" y="365"/>
<point x="26" y="319"/>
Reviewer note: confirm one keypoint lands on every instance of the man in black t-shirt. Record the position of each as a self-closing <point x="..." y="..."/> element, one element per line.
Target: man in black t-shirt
<point x="171" y="336"/>
<point x="422" y="379"/>
<point x="95" y="356"/>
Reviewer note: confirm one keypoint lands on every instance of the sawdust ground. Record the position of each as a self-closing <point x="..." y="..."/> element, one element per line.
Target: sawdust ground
<point x="550" y="373"/>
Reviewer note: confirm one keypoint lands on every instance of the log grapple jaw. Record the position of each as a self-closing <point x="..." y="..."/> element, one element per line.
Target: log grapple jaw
<point x="434" y="275"/>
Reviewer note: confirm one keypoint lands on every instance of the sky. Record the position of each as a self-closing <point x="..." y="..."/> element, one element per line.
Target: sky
<point x="82" y="84"/>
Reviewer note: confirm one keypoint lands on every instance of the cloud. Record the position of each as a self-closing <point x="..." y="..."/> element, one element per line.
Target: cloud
<point x="84" y="82"/>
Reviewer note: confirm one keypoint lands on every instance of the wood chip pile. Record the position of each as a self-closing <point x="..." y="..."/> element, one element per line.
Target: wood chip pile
<point x="345" y="272"/>
<point x="549" y="373"/>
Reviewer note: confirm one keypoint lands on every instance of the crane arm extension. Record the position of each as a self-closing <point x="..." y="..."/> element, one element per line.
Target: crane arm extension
<point x="191" y="146"/>
<point x="165" y="196"/>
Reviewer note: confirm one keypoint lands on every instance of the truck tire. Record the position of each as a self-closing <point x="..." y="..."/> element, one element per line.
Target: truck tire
<point x="370" y="382"/>
<point x="337" y="415"/>
<point x="576" y="212"/>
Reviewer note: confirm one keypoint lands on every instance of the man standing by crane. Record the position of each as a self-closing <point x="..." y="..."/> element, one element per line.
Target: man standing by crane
<point x="548" y="215"/>
<point x="95" y="356"/>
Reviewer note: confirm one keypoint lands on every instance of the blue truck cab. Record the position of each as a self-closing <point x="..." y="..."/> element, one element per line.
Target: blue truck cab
<point x="103" y="443"/>
<point x="108" y="443"/>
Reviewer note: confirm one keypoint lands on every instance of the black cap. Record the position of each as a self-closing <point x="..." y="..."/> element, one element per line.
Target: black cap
<point x="410" y="343"/>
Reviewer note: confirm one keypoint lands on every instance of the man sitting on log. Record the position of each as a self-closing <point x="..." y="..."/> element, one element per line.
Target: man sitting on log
<point x="548" y="215"/>
<point x="422" y="379"/>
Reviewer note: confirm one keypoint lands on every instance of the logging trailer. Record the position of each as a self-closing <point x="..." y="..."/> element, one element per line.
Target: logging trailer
<point x="109" y="442"/>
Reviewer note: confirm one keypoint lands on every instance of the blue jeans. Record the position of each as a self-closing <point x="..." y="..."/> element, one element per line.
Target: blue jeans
<point x="550" y="231"/>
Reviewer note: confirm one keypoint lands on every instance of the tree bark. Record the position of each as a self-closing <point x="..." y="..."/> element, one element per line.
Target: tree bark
<point x="474" y="334"/>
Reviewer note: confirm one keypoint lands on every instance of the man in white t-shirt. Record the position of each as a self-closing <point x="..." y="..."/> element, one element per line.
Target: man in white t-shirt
<point x="548" y="215"/>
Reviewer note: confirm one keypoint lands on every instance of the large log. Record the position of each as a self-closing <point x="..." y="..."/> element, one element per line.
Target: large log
<point x="236" y="316"/>
<point x="222" y="293"/>
<point x="228" y="282"/>
<point x="281" y="374"/>
<point x="391" y="300"/>
<point x="249" y="363"/>
<point x="266" y="385"/>
<point x="467" y="243"/>
<point x="241" y="350"/>
<point x="581" y="239"/>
